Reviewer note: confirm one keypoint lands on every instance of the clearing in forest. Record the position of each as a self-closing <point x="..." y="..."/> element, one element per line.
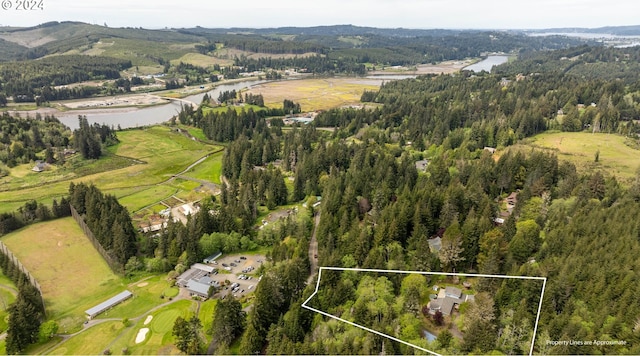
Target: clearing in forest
<point x="72" y="274"/>
<point x="315" y="94"/>
<point x="617" y="155"/>
<point x="428" y="304"/>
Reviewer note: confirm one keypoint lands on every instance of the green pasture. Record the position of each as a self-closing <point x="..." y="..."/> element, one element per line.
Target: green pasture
<point x="618" y="155"/>
<point x="201" y="60"/>
<point x="72" y="275"/>
<point x="237" y="108"/>
<point x="209" y="170"/>
<point x="152" y="155"/>
<point x="139" y="51"/>
<point x="141" y="199"/>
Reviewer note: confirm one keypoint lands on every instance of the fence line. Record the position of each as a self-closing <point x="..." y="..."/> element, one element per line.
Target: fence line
<point x="115" y="266"/>
<point x="14" y="260"/>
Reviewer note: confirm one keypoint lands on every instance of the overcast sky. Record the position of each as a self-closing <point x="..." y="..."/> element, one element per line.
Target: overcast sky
<point x="450" y="14"/>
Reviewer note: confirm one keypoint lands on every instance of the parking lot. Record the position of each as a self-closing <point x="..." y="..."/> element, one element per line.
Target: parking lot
<point x="235" y="265"/>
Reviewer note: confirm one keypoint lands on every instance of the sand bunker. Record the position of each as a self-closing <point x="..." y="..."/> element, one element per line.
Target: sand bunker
<point x="143" y="284"/>
<point x="142" y="334"/>
<point x="148" y="319"/>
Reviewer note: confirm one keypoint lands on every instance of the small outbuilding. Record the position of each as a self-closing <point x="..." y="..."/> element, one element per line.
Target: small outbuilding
<point x="108" y="304"/>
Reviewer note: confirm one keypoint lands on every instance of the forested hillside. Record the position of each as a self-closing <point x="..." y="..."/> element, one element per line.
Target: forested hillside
<point x="379" y="211"/>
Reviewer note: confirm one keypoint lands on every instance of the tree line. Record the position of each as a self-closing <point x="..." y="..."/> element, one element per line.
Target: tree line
<point x="27" y="139"/>
<point x="89" y="139"/>
<point x="26" y="313"/>
<point x="107" y="219"/>
<point x="55" y="71"/>
<point x="32" y="212"/>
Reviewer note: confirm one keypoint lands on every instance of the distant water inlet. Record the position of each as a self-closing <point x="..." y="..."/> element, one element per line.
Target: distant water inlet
<point x="487" y="64"/>
<point x="134" y="117"/>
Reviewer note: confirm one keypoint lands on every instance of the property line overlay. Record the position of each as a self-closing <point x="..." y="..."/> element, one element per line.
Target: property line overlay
<point x="535" y="328"/>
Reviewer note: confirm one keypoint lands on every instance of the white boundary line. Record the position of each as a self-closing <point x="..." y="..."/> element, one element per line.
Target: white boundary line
<point x="535" y="328"/>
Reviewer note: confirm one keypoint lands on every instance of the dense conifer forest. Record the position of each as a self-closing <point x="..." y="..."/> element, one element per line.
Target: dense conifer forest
<point x="433" y="158"/>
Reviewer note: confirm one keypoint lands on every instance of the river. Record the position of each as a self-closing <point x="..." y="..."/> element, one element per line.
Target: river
<point x="135" y="117"/>
<point x="487" y="64"/>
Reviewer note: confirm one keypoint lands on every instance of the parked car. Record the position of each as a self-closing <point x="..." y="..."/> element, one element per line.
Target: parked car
<point x="233" y="264"/>
<point x="225" y="265"/>
<point x="243" y="258"/>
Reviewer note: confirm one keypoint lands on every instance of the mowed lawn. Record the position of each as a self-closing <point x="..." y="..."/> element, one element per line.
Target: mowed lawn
<point x="159" y="338"/>
<point x="71" y="273"/>
<point x="313" y="94"/>
<point x="209" y="170"/>
<point x="617" y="155"/>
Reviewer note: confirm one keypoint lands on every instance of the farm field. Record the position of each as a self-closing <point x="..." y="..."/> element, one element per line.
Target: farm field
<point x="71" y="273"/>
<point x="201" y="60"/>
<point x="619" y="156"/>
<point x="151" y="156"/>
<point x="313" y="94"/>
<point x="209" y="170"/>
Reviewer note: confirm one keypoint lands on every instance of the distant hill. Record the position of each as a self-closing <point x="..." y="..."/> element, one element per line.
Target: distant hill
<point x="10" y="51"/>
<point x="611" y="30"/>
<point x="335" y="30"/>
<point x="61" y="37"/>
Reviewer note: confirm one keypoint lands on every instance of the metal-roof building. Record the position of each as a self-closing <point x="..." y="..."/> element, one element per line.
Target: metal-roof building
<point x="110" y="303"/>
<point x="197" y="288"/>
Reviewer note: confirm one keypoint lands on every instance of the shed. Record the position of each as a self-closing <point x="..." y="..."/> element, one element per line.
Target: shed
<point x="107" y="304"/>
<point x="212" y="258"/>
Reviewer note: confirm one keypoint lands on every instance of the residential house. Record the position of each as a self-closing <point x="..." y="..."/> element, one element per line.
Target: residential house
<point x="448" y="299"/>
<point x="422" y="165"/>
<point x="491" y="150"/>
<point x="435" y="244"/>
<point x="39" y="167"/>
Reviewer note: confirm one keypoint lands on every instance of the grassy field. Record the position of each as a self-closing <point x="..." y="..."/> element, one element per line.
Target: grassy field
<point x="7" y="296"/>
<point x="93" y="341"/>
<point x="71" y="273"/>
<point x="201" y="60"/>
<point x="237" y="108"/>
<point x="159" y="339"/>
<point x="209" y="170"/>
<point x="618" y="155"/>
<point x="313" y="94"/>
<point x="152" y="156"/>
<point x="139" y="51"/>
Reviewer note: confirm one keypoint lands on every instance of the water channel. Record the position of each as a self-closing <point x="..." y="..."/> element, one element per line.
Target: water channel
<point x="487" y="64"/>
<point x="135" y="117"/>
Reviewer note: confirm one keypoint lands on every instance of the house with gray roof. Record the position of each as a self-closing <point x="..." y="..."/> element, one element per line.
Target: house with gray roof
<point x="447" y="300"/>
